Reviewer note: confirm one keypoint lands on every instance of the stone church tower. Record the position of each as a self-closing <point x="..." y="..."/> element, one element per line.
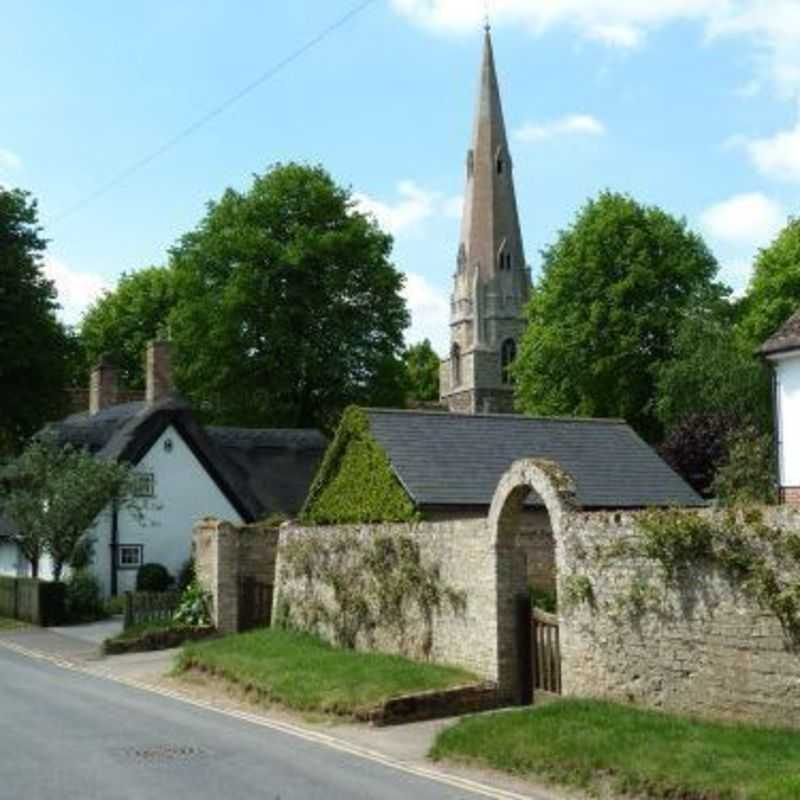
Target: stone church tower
<point x="492" y="282"/>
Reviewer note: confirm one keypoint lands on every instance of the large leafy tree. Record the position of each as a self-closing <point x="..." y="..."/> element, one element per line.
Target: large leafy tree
<point x="774" y="293"/>
<point x="34" y="346"/>
<point x="615" y="289"/>
<point x="714" y="371"/>
<point x="288" y="307"/>
<point x="422" y="372"/>
<point x="121" y="322"/>
<point x="53" y="495"/>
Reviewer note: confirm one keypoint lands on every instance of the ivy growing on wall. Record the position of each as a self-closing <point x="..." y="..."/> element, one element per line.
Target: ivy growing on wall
<point x="353" y="587"/>
<point x="355" y="482"/>
<point x="762" y="560"/>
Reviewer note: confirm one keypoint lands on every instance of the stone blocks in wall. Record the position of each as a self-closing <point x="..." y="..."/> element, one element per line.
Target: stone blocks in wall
<point x="791" y="495"/>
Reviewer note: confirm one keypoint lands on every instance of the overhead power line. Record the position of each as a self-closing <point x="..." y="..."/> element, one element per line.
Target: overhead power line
<point x="212" y="114"/>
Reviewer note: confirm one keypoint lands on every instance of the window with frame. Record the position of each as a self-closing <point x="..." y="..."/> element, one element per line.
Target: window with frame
<point x="144" y="484"/>
<point x="508" y="354"/>
<point x="130" y="556"/>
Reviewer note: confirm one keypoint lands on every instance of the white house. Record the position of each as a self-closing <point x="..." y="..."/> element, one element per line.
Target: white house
<point x="783" y="351"/>
<point x="187" y="472"/>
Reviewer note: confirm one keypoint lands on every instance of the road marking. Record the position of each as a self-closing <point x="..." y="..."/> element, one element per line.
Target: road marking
<point x="307" y="734"/>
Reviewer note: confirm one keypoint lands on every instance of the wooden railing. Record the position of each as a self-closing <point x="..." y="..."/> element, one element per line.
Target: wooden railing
<point x="141" y="607"/>
<point x="546" y="652"/>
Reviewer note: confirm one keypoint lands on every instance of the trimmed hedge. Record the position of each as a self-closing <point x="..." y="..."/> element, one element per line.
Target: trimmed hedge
<point x="355" y="482"/>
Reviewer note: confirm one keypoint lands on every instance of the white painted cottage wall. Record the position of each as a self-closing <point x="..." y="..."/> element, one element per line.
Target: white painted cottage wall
<point x="184" y="494"/>
<point x="9" y="559"/>
<point x="787" y="372"/>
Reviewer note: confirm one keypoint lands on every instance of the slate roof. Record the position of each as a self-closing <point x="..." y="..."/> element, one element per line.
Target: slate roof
<point x="259" y="471"/>
<point x="452" y="459"/>
<point x="787" y="338"/>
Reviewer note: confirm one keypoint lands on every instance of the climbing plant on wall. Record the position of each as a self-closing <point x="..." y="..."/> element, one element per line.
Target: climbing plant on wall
<point x="352" y="586"/>
<point x="355" y="482"/>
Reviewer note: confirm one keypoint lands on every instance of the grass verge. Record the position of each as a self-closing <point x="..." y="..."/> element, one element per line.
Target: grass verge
<point x="153" y="636"/>
<point x="592" y="744"/>
<point x="7" y="624"/>
<point x="301" y="672"/>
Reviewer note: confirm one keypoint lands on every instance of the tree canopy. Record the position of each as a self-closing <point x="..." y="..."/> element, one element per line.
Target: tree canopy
<point x="422" y="372"/>
<point x="288" y="308"/>
<point x="122" y="322"/>
<point x="774" y="292"/>
<point x="34" y="346"/>
<point x="615" y="288"/>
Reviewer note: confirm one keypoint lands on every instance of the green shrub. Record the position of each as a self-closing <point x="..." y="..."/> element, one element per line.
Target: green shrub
<point x="153" y="578"/>
<point x="83" y="598"/>
<point x="543" y="599"/>
<point x="115" y="605"/>
<point x="193" y="607"/>
<point x="187" y="575"/>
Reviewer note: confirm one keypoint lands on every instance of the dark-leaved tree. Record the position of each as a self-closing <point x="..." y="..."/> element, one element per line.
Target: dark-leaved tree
<point x="34" y="347"/>
<point x="422" y="372"/>
<point x="288" y="308"/>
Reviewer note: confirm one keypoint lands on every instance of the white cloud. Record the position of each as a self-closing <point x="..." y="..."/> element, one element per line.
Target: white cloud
<point x="777" y="156"/>
<point x="76" y="290"/>
<point x="9" y="159"/>
<point x="430" y="312"/>
<point x="773" y="26"/>
<point x="745" y="219"/>
<point x="571" y="125"/>
<point x="736" y="273"/>
<point x="414" y="206"/>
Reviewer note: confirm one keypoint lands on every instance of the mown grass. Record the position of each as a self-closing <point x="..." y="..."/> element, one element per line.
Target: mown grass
<point x="593" y="744"/>
<point x="303" y="673"/>
<point x="7" y="624"/>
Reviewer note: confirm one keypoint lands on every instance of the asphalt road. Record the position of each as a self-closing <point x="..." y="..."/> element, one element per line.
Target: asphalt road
<point x="67" y="735"/>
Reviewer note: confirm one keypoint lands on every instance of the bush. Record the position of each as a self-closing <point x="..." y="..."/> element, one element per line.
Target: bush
<point x="153" y="578"/>
<point x="83" y="598"/>
<point x="187" y="575"/>
<point x="115" y="605"/>
<point x="543" y="599"/>
<point x="193" y="608"/>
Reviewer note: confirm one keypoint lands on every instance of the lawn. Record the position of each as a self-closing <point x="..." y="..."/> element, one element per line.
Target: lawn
<point x="591" y="744"/>
<point x="7" y="624"/>
<point x="301" y="672"/>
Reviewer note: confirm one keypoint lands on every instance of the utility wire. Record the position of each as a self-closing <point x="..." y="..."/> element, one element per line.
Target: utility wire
<point x="215" y="112"/>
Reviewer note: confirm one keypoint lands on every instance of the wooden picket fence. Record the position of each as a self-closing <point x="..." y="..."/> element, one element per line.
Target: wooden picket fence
<point x="546" y="654"/>
<point x="142" y="607"/>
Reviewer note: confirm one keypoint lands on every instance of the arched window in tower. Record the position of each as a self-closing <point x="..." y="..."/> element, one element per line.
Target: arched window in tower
<point x="455" y="365"/>
<point x="500" y="165"/>
<point x="508" y="354"/>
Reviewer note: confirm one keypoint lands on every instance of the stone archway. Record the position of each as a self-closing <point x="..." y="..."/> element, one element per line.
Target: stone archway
<point x="556" y="489"/>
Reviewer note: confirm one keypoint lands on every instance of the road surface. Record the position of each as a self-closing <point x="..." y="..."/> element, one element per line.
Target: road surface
<point x="67" y="734"/>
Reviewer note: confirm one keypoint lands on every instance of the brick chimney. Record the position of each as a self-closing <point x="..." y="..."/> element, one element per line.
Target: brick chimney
<point x="159" y="371"/>
<point x="102" y="385"/>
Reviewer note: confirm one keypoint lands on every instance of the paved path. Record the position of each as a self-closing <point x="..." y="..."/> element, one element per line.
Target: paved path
<point x="69" y="733"/>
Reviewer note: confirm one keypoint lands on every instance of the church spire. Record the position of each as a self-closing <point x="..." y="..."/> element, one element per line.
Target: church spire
<point x="492" y="281"/>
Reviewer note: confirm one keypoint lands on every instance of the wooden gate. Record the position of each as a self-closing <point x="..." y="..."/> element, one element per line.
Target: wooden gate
<point x="546" y="655"/>
<point x="255" y="604"/>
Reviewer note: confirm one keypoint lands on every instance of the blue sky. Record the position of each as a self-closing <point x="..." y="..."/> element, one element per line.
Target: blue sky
<point x="690" y="104"/>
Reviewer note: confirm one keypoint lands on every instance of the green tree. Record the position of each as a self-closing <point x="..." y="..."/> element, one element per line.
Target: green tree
<point x="34" y="345"/>
<point x="774" y="293"/>
<point x="53" y="495"/>
<point x="615" y="288"/>
<point x="288" y="307"/>
<point x="713" y="372"/>
<point x="123" y="321"/>
<point x="422" y="372"/>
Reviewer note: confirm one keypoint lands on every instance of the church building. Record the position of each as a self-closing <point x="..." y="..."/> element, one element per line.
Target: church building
<point x="492" y="282"/>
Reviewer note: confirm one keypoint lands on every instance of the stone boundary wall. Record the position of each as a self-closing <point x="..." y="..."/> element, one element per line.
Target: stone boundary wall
<point x="463" y="551"/>
<point x="705" y="648"/>
<point x="224" y="555"/>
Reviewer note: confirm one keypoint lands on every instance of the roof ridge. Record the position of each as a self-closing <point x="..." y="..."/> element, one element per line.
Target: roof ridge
<point x="526" y="417"/>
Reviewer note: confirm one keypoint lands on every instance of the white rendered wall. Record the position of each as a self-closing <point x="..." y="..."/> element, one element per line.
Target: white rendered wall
<point x="9" y="559"/>
<point x="787" y="372"/>
<point x="184" y="494"/>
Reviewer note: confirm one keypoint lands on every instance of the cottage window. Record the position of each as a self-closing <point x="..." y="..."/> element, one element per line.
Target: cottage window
<point x="144" y="484"/>
<point x="508" y="354"/>
<point x="130" y="556"/>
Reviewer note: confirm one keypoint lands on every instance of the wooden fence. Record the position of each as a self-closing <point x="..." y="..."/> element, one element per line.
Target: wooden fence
<point x="255" y="603"/>
<point x="32" y="600"/>
<point x="142" y="607"/>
